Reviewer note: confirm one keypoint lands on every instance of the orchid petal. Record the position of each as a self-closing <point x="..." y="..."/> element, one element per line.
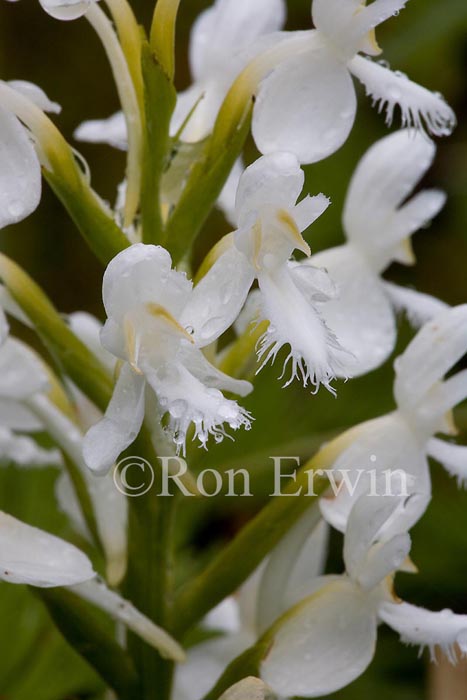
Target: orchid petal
<point x="106" y="440"/>
<point x="197" y="108"/>
<point x="25" y="452"/>
<point x="443" y="397"/>
<point x="374" y="218"/>
<point x="32" y="556"/>
<point x="88" y="330"/>
<point x="309" y="210"/>
<point x="420" y="308"/>
<point x="425" y="628"/>
<point x="20" y="172"/>
<point x="249" y="688"/>
<point x="384" y="559"/>
<point x="322" y="644"/>
<point x="66" y="9"/>
<point x="228" y="26"/>
<point x="452" y="457"/>
<point x="420" y="108"/>
<point x="276" y="180"/>
<point x="227" y="198"/>
<point x="202" y="369"/>
<point x="292" y="567"/>
<point x="111" y="131"/>
<point x="432" y="353"/>
<point x="384" y="446"/>
<point x="361" y="315"/>
<point x="22" y="373"/>
<point x="372" y="15"/>
<point x="16" y="416"/>
<point x="143" y="274"/>
<point x="365" y="527"/>
<point x="4" y="327"/>
<point x="36" y="95"/>
<point x="306" y="106"/>
<point x="218" y="298"/>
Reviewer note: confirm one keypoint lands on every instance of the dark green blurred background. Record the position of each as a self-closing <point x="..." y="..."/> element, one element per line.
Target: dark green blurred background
<point x="428" y="41"/>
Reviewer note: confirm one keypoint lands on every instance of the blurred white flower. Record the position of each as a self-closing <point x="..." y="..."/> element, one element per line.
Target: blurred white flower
<point x="307" y="105"/>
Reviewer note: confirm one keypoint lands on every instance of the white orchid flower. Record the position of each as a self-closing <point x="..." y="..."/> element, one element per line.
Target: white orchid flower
<point x="156" y="326"/>
<point x="20" y="170"/>
<point x="26" y="407"/>
<point x="403" y="440"/>
<point x="35" y="557"/>
<point x="238" y="621"/>
<point x="378" y="221"/>
<point x="328" y="639"/>
<point x="307" y="105"/>
<point x="291" y="297"/>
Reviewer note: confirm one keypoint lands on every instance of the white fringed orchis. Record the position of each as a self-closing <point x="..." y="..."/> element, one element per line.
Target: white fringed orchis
<point x="378" y="221"/>
<point x="278" y="583"/>
<point x="403" y="440"/>
<point x="158" y="328"/>
<point x="35" y="557"/>
<point x="20" y="170"/>
<point x="270" y="226"/>
<point x="308" y="104"/>
<point x="218" y="41"/>
<point x="328" y="639"/>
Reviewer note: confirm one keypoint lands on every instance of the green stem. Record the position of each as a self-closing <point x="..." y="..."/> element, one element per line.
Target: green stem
<point x="202" y="191"/>
<point x="149" y="577"/>
<point x="160" y="98"/>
